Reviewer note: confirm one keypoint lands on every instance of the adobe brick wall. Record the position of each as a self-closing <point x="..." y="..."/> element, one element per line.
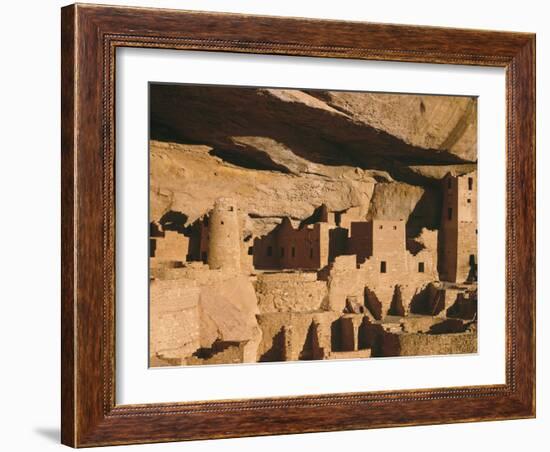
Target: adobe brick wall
<point x="293" y="336"/>
<point x="437" y="344"/>
<point x="290" y="292"/>
<point x="290" y="248"/>
<point x="360" y="242"/>
<point x="345" y="280"/>
<point x="173" y="246"/>
<point x="174" y="319"/>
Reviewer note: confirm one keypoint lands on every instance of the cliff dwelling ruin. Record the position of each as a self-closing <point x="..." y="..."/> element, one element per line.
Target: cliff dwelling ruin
<point x="304" y="225"/>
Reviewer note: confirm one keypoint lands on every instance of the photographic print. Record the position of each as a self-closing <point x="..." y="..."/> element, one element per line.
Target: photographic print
<point x="298" y="224"/>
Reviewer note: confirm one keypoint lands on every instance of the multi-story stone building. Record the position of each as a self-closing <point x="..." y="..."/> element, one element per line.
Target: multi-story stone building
<point x="458" y="231"/>
<point x="285" y="247"/>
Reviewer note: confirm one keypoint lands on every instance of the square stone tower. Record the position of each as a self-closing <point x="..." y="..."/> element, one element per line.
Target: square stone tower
<point x="458" y="233"/>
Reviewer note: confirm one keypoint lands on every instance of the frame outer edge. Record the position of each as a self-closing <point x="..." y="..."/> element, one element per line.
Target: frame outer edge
<point x="534" y="226"/>
<point x="86" y="420"/>
<point x="525" y="61"/>
<point x="68" y="230"/>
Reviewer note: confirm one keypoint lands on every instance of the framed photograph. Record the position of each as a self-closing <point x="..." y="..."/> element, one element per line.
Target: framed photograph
<point x="282" y="225"/>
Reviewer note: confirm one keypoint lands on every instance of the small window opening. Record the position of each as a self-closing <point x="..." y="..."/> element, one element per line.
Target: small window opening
<point x="250" y="250"/>
<point x="470" y="183"/>
<point x="381" y="227"/>
<point x="221" y="222"/>
<point x="383" y="267"/>
<point x="395" y="228"/>
<point x="421" y="267"/>
<point x="469" y="200"/>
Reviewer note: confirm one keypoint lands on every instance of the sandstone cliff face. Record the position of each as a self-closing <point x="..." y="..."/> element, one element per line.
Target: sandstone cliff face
<point x="428" y="122"/>
<point x="285" y="152"/>
<point x="187" y="179"/>
<point x="359" y="129"/>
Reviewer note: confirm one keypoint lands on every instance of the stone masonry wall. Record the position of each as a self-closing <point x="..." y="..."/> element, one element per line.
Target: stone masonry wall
<point x="173" y="246"/>
<point x="290" y="292"/>
<point x="286" y="247"/>
<point x="174" y="319"/>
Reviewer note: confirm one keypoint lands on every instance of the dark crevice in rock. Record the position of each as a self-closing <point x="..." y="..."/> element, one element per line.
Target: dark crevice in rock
<point x="174" y="221"/>
<point x="250" y="159"/>
<point x="258" y="216"/>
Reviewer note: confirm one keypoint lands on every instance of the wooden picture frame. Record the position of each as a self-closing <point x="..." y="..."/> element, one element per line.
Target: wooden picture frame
<point x="90" y="36"/>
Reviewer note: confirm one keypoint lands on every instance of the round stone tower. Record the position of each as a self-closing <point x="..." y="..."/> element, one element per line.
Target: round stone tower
<point x="224" y="246"/>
